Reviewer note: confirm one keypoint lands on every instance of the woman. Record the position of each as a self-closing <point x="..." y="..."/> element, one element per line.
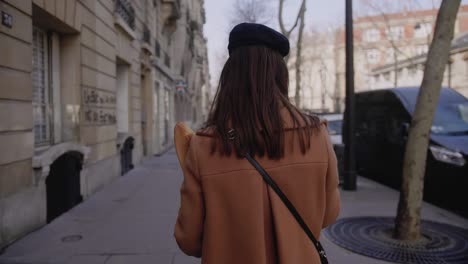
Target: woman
<point x="228" y="213"/>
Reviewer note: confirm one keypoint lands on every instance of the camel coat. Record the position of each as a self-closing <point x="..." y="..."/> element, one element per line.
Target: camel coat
<point x="228" y="214"/>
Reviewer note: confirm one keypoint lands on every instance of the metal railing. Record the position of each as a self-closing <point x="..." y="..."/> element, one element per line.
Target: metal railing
<point x="125" y="10"/>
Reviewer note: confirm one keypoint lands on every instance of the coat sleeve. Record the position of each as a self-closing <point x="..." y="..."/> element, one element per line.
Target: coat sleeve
<point x="189" y="226"/>
<point x="332" y="206"/>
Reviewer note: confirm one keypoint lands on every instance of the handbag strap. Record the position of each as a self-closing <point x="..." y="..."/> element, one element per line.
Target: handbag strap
<point x="290" y="206"/>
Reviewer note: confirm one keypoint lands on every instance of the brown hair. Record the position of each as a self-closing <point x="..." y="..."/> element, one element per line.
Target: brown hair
<point x="252" y="89"/>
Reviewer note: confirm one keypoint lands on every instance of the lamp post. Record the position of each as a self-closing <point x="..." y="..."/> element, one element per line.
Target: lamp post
<point x="349" y="176"/>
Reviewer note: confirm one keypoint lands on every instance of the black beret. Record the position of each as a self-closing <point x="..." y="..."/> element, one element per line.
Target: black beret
<point x="249" y="34"/>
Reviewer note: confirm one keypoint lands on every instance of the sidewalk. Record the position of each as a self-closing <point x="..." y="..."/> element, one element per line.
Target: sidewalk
<point x="131" y="221"/>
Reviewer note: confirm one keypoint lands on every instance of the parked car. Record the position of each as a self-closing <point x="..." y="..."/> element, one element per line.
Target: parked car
<point x="335" y="124"/>
<point x="382" y="122"/>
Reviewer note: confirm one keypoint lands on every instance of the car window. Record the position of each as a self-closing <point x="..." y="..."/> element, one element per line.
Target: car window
<point x="334" y="127"/>
<point x="451" y="119"/>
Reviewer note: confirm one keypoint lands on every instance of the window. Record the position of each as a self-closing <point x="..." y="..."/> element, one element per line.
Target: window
<point x="421" y="49"/>
<point x="400" y="72"/>
<point x="412" y="70"/>
<point x="146" y="34"/>
<point x="372" y="35"/>
<point x="41" y="91"/>
<point x="422" y="30"/>
<point x="123" y="72"/>
<point x="335" y="127"/>
<point x="390" y="55"/>
<point x="386" y="76"/>
<point x="373" y="56"/>
<point x="126" y="11"/>
<point x="156" y="93"/>
<point x="450" y="118"/>
<point x="395" y="33"/>
<point x="157" y="48"/>
<point x="166" y="115"/>
<point x="167" y="60"/>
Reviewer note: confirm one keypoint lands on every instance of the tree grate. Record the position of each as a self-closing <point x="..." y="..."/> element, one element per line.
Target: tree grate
<point x="372" y="237"/>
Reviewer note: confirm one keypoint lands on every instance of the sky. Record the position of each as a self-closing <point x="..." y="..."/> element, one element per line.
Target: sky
<point x="319" y="15"/>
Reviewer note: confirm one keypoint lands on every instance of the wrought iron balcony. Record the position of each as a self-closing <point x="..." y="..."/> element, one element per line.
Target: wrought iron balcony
<point x="125" y="10"/>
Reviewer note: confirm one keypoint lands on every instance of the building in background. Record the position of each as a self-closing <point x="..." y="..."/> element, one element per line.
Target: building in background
<point x="384" y="44"/>
<point x="410" y="71"/>
<point x="390" y="39"/>
<point x="318" y="89"/>
<point x="88" y="88"/>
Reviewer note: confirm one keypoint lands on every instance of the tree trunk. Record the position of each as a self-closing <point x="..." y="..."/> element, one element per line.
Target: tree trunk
<point x="408" y="220"/>
<point x="297" y="97"/>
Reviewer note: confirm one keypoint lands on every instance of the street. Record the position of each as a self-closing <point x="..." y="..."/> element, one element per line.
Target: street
<point x="132" y="219"/>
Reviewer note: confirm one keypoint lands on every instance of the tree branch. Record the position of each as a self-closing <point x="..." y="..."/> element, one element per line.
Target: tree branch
<point x="280" y="18"/>
<point x="302" y="9"/>
<point x="283" y="29"/>
<point x="299" y="54"/>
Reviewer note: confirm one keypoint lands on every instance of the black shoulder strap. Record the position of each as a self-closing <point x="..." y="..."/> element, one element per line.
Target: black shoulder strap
<point x="290" y="206"/>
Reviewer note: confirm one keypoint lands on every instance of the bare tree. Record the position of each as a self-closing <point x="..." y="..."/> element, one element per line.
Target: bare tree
<point x="251" y="11"/>
<point x="299" y="18"/>
<point x="408" y="220"/>
<point x="318" y="67"/>
<point x="297" y="97"/>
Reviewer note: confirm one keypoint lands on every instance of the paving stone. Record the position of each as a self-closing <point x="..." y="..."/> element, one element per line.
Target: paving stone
<point x="141" y="259"/>
<point x="88" y="259"/>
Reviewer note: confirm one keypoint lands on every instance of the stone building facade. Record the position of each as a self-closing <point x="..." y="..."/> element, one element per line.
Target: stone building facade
<point x="410" y="72"/>
<point x="383" y="43"/>
<point x="390" y="39"/>
<point x="318" y="93"/>
<point x="88" y="89"/>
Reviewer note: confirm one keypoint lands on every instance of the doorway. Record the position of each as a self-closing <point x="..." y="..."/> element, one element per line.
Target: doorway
<point x="126" y="157"/>
<point x="63" y="185"/>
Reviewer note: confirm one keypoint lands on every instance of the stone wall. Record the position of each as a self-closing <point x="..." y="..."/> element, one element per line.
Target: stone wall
<point x="16" y="173"/>
<point x="110" y="71"/>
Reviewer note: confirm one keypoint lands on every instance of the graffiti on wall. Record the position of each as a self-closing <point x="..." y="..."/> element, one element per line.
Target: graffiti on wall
<point x="99" y="107"/>
<point x="99" y="98"/>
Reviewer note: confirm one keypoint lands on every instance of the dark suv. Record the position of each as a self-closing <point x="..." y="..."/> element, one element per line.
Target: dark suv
<point x="382" y="123"/>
